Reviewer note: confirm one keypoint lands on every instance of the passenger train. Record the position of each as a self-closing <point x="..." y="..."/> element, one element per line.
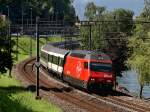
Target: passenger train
<point x="81" y="68"/>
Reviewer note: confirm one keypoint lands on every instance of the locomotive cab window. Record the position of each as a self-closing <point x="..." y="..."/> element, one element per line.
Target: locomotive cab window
<point x="100" y="67"/>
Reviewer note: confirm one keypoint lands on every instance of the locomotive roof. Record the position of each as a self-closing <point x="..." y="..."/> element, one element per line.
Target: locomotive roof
<point x="94" y="55"/>
<point x="86" y="52"/>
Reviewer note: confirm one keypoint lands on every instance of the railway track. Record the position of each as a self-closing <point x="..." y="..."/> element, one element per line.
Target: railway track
<point x="130" y="105"/>
<point x="88" y="102"/>
<point x="138" y="107"/>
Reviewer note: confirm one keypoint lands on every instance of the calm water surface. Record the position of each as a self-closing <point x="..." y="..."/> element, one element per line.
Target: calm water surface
<point x="129" y="80"/>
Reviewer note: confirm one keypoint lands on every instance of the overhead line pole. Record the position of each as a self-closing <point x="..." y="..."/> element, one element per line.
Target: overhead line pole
<point x="22" y="14"/>
<point x="31" y="36"/>
<point x="9" y="36"/>
<point x="17" y="43"/>
<point x="90" y="38"/>
<point x="37" y="63"/>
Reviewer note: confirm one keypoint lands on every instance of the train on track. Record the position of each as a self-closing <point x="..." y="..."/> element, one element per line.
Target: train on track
<point x="81" y="68"/>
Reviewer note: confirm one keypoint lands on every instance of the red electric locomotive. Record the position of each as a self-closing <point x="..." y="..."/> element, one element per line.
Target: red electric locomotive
<point x="87" y="69"/>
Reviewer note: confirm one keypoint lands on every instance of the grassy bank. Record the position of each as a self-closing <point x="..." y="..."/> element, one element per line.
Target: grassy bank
<point x="14" y="98"/>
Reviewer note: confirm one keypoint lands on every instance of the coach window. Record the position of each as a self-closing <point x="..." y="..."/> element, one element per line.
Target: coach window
<point x="55" y="60"/>
<point x="44" y="56"/>
<point x="49" y="58"/>
<point x="41" y="54"/>
<point x="61" y="62"/>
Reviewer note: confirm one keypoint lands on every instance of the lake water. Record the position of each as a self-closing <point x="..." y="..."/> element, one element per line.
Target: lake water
<point x="129" y="80"/>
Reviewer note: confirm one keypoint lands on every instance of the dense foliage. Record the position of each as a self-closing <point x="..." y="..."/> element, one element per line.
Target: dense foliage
<point x="5" y="57"/>
<point x="110" y="33"/>
<point x="46" y="9"/>
<point x="139" y="48"/>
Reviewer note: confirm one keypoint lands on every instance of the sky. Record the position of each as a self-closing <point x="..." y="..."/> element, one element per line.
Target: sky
<point x="135" y="5"/>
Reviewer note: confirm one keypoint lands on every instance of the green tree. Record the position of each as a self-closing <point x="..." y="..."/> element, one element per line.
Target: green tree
<point x="139" y="48"/>
<point x="90" y="11"/>
<point x="145" y="15"/>
<point x="46" y="9"/>
<point x="93" y="13"/>
<point x="118" y="32"/>
<point x="139" y="59"/>
<point x="5" y="57"/>
<point x="110" y="34"/>
<point x="146" y="11"/>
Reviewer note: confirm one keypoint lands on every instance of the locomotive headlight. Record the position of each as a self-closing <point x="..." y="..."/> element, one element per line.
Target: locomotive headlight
<point x="107" y="76"/>
<point x="109" y="81"/>
<point x="92" y="80"/>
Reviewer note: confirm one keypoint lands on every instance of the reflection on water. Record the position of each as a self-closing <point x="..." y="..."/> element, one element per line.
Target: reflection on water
<point x="129" y="80"/>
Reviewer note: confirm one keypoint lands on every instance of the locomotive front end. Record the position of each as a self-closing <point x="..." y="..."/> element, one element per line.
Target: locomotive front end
<point x="101" y="71"/>
<point x="101" y="74"/>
